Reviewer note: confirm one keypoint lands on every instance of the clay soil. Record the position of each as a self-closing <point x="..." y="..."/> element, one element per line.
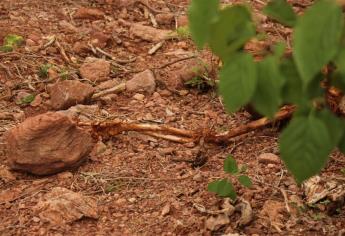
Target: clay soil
<point x="144" y="185"/>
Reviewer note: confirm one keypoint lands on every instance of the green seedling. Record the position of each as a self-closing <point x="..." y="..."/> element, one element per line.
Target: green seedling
<point x="224" y="187"/>
<point x="11" y="41"/>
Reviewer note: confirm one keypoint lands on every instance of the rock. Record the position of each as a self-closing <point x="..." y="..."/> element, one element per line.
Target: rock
<point x="67" y="27"/>
<point x="149" y="33"/>
<point x="37" y="101"/>
<point x="144" y="81"/>
<point x="5" y="175"/>
<point x="108" y="99"/>
<point x="165" y="18"/>
<point x="61" y="206"/>
<point x="139" y="96"/>
<point x="82" y="112"/>
<point x="184" y="72"/>
<point x="165" y="93"/>
<point x="182" y="21"/>
<point x="66" y="175"/>
<point x="107" y="85"/>
<point x="88" y="13"/>
<point x="46" y="144"/>
<point x="246" y="213"/>
<point x="273" y="213"/>
<point x="99" y="39"/>
<point x="165" y="210"/>
<point x="67" y="93"/>
<point x="30" y="43"/>
<point x="268" y="158"/>
<point x="81" y="47"/>
<point x="213" y="223"/>
<point x="99" y="148"/>
<point x="95" y="69"/>
<point x="52" y="73"/>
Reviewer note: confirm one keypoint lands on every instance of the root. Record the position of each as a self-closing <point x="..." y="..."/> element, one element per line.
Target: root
<point x="113" y="128"/>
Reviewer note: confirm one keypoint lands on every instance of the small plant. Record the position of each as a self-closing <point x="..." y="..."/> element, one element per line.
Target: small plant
<point x="183" y="32"/>
<point x="43" y="71"/>
<point x="224" y="187"/>
<point x="201" y="83"/>
<point x="26" y="100"/>
<point x="318" y="216"/>
<point x="64" y="74"/>
<point x="11" y="41"/>
<point x="342" y="171"/>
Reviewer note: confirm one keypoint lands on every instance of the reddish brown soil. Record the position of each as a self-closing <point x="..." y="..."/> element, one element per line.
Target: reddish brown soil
<point x="137" y="176"/>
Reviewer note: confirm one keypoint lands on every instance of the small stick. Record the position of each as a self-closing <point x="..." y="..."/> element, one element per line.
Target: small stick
<point x="176" y="61"/>
<point x="117" y="89"/>
<point x="62" y="51"/>
<point x="114" y="58"/>
<point x="153" y="20"/>
<point x="286" y="200"/>
<point x="155" y="48"/>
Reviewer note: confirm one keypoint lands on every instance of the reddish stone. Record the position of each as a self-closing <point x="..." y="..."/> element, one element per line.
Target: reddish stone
<point x="95" y="69"/>
<point x="89" y="13"/>
<point x="47" y="144"/>
<point x="67" y="93"/>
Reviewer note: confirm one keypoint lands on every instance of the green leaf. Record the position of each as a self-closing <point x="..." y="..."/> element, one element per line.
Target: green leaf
<point x="201" y="14"/>
<point x="230" y="165"/>
<point x="26" y="100"/>
<point x="6" y="48"/>
<point x="267" y="97"/>
<point x="341" y="144"/>
<point x="238" y="81"/>
<point x="292" y="90"/>
<point x="316" y="38"/>
<point x="305" y="145"/>
<point x="245" y="181"/>
<point x="223" y="188"/>
<point x="335" y="126"/>
<point x="13" y="40"/>
<point x="233" y="28"/>
<point x="281" y="11"/>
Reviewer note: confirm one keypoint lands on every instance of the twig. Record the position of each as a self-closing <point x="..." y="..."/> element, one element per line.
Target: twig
<point x="62" y="51"/>
<point x="153" y="20"/>
<point x="286" y="200"/>
<point x="114" y="58"/>
<point x="119" y="88"/>
<point x="149" y="7"/>
<point x="176" y="61"/>
<point x="155" y="48"/>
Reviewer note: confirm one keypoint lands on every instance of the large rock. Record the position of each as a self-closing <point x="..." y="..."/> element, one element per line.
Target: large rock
<point x="47" y="144"/>
<point x="67" y="93"/>
<point x="61" y="206"/>
<point x="143" y="81"/>
<point x="95" y="69"/>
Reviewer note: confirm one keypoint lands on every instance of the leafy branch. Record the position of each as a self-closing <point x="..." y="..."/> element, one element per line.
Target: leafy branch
<point x="302" y="78"/>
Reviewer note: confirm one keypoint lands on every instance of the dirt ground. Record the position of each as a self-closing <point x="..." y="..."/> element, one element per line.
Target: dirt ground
<point x="142" y="185"/>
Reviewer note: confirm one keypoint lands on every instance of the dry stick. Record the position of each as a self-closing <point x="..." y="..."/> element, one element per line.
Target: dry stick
<point x="180" y="135"/>
<point x="114" y="58"/>
<point x="117" y="89"/>
<point x="175" y="61"/>
<point x="62" y="51"/>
